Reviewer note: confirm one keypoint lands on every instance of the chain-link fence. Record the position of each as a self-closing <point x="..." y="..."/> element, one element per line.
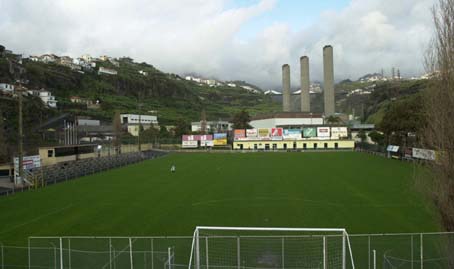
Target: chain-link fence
<point x="408" y="251"/>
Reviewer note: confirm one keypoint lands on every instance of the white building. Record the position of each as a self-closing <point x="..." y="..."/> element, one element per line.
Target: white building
<point x="287" y="120"/>
<point x="144" y="73"/>
<point x="134" y="119"/>
<point x="103" y="70"/>
<point x="45" y="96"/>
<point x="6" y="88"/>
<point x="88" y="122"/>
<point x="233" y="85"/>
<point x="87" y="58"/>
<point x="48" y="58"/>
<point x="212" y="126"/>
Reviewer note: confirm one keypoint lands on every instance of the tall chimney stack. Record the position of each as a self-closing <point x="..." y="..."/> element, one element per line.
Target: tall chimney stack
<point x="305" y="85"/>
<point x="328" y="75"/>
<point x="286" y="88"/>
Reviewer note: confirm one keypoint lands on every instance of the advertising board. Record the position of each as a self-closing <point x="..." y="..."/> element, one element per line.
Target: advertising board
<point x="323" y="132"/>
<point x="190" y="138"/>
<point x="264" y="133"/>
<point x="292" y="134"/>
<point x="220" y="139"/>
<point x="29" y="162"/>
<point x="239" y="133"/>
<point x="424" y="154"/>
<point x="251" y="133"/>
<point x="189" y="144"/>
<point x="339" y="132"/>
<point x="309" y="132"/>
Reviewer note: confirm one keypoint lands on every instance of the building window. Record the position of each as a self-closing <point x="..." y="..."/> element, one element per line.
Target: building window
<point x="294" y="145"/>
<point x="241" y="146"/>
<point x="326" y="145"/>
<point x="274" y="146"/>
<point x="50" y="153"/>
<point x="304" y="146"/>
<point x="267" y="146"/>
<point x="315" y="145"/>
<point x="285" y="145"/>
<point x="255" y="146"/>
<point x="336" y="145"/>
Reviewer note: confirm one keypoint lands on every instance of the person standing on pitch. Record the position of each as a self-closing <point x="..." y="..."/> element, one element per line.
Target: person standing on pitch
<point x="173" y="168"/>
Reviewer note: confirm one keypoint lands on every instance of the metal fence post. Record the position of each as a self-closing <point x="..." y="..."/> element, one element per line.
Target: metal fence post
<point x="375" y="259"/>
<point x="69" y="253"/>
<point x="324" y="252"/>
<point x="3" y="259"/>
<point x="206" y="252"/>
<point x="368" y="251"/>
<point x="152" y="254"/>
<point x="422" y="250"/>
<point x="238" y="252"/>
<point x="283" y="252"/>
<point x="110" y="253"/>
<point x="130" y="253"/>
<point x="61" y="253"/>
<point x="412" y="254"/>
<point x="169" y="254"/>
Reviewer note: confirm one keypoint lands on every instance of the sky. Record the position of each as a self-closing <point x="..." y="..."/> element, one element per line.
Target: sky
<point x="228" y="39"/>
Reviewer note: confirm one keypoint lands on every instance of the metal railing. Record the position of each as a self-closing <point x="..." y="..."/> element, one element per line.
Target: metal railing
<point x="394" y="250"/>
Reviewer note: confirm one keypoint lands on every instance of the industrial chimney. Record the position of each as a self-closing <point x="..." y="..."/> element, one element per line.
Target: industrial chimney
<point x="305" y="85"/>
<point x="286" y="88"/>
<point x="328" y="75"/>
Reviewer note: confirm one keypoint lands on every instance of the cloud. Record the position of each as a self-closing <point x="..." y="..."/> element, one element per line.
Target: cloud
<point x="201" y="36"/>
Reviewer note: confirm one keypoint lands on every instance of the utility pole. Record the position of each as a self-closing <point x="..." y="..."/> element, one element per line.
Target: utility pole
<point x="21" y="136"/>
<point x="139" y="106"/>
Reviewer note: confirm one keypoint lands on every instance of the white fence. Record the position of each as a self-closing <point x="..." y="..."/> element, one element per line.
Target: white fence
<point x="404" y="250"/>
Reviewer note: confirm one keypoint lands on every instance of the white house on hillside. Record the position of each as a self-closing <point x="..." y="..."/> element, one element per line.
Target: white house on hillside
<point x="103" y="70"/>
<point x="45" y="96"/>
<point x="6" y="88"/>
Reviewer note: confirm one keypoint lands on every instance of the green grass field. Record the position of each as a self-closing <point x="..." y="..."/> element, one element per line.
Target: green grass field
<point x="363" y="193"/>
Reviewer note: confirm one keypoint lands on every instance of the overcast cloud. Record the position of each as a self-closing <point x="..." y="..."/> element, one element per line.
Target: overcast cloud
<point x="182" y="36"/>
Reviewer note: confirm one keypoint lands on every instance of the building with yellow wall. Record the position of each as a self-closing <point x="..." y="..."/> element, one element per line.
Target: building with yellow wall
<point x="294" y="145"/>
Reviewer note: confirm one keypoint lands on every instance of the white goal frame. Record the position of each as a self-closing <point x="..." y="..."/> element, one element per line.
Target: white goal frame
<point x="195" y="247"/>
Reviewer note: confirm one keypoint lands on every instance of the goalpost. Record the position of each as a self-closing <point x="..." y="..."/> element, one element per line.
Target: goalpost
<point x="284" y="248"/>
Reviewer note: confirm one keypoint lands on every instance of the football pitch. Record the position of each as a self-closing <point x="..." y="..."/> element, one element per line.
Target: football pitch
<point x="356" y="191"/>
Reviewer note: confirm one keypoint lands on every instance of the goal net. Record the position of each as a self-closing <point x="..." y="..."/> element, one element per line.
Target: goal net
<point x="286" y="248"/>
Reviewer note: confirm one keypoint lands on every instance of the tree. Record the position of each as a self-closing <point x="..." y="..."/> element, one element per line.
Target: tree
<point x="333" y="120"/>
<point x="362" y="135"/>
<point x="377" y="137"/>
<point x="117" y="129"/>
<point x="203" y="122"/>
<point x="438" y="133"/>
<point x="241" y="120"/>
<point x="401" y="118"/>
<point x="181" y="128"/>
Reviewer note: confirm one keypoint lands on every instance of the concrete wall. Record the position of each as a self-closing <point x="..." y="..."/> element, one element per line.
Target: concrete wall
<point x="286" y="88"/>
<point x="328" y="77"/>
<point x="305" y="85"/>
<point x="330" y="144"/>
<point x="273" y="122"/>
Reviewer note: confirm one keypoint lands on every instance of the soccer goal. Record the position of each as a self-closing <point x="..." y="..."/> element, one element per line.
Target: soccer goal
<point x="285" y="248"/>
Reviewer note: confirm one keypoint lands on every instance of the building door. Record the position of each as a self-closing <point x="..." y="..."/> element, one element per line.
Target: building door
<point x="285" y="145"/>
<point x="267" y="146"/>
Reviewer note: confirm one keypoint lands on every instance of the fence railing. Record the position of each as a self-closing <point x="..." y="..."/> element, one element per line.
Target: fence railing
<point x="403" y="250"/>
